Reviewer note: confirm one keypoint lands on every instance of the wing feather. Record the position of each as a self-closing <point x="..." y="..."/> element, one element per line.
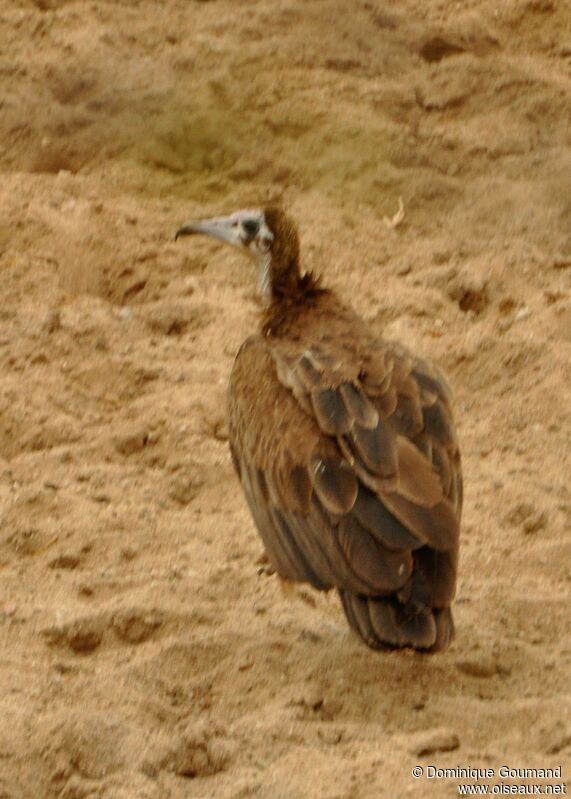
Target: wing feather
<point x="335" y="484"/>
<point x="351" y="469"/>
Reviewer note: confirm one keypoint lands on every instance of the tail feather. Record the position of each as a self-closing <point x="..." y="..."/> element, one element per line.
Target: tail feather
<point x="387" y="623"/>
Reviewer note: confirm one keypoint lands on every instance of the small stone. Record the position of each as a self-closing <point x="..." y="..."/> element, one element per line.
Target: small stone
<point x="85" y="640"/>
<point x="506" y="305"/>
<point x="440" y="257"/>
<point x="132" y="441"/>
<point x="523" y="313"/>
<point x="52" y="322"/>
<point x="534" y="523"/>
<point x="478" y="666"/>
<point x="200" y="752"/>
<point x="330" y="735"/>
<point x="556" y="741"/>
<point x="190" y="285"/>
<point x="125" y="314"/>
<point x="64" y="668"/>
<point x="172" y="320"/>
<point x="101" y="497"/>
<point x="134" y="627"/>
<point x="184" y="488"/>
<point x="311" y="699"/>
<point x="470" y="292"/>
<point x="147" y="255"/>
<point x="440" y="739"/>
<point x="310" y="636"/>
<point x="65" y="561"/>
<point x="218" y="428"/>
<point x="129" y="553"/>
<point x="504" y="325"/>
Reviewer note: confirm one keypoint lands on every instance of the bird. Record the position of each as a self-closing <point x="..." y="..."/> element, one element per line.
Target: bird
<point x="345" y="447"/>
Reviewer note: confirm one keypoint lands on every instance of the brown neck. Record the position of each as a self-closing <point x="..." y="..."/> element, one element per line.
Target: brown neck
<point x="284" y="277"/>
<point x="287" y="288"/>
<point x="284" y="309"/>
<point x="285" y="281"/>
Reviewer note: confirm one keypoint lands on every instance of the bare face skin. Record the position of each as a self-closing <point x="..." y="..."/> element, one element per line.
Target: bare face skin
<point x="247" y="230"/>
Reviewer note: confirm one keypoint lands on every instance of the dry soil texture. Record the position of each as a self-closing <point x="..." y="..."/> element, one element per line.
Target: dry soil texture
<point x="142" y="655"/>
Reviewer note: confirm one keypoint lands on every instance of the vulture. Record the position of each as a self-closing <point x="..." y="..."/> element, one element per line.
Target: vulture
<point x="345" y="447"/>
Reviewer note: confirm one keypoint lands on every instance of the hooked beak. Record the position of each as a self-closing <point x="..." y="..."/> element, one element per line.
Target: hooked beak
<point x="223" y="228"/>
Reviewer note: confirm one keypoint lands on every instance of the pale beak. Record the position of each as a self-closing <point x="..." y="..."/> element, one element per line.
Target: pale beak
<point x="224" y="228"/>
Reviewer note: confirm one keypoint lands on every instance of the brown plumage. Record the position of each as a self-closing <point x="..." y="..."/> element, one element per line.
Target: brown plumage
<point x="345" y="448"/>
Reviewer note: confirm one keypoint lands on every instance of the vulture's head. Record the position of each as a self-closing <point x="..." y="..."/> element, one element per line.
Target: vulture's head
<point x="268" y="236"/>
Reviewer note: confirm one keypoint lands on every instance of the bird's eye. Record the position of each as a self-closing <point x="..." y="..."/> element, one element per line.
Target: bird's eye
<point x="251" y="227"/>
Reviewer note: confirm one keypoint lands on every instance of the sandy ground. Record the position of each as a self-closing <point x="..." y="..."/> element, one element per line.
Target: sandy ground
<point x="142" y="655"/>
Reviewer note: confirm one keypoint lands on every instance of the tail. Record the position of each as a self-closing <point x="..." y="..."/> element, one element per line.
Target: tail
<point x="387" y="623"/>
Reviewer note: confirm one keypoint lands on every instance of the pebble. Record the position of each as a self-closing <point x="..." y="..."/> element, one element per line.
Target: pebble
<point x="330" y="735"/>
<point x="536" y="522"/>
<point x="132" y="441"/>
<point x="558" y="740"/>
<point x="478" y="666"/>
<point x="52" y="321"/>
<point x="173" y="320"/>
<point x="134" y="627"/>
<point x="67" y="561"/>
<point x="523" y="313"/>
<point x="440" y="739"/>
<point x="199" y="750"/>
<point x="220" y="430"/>
<point x="125" y="313"/>
<point x="101" y="497"/>
<point x="129" y="553"/>
<point x="184" y="488"/>
<point x="84" y="476"/>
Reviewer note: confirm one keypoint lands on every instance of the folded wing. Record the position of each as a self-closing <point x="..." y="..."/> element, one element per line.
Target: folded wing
<point x="351" y="469"/>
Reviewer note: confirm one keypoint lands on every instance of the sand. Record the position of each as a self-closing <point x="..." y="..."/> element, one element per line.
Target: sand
<point x="144" y="653"/>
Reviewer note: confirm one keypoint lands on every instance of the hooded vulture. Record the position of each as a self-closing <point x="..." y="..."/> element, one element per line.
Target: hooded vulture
<point x="345" y="447"/>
